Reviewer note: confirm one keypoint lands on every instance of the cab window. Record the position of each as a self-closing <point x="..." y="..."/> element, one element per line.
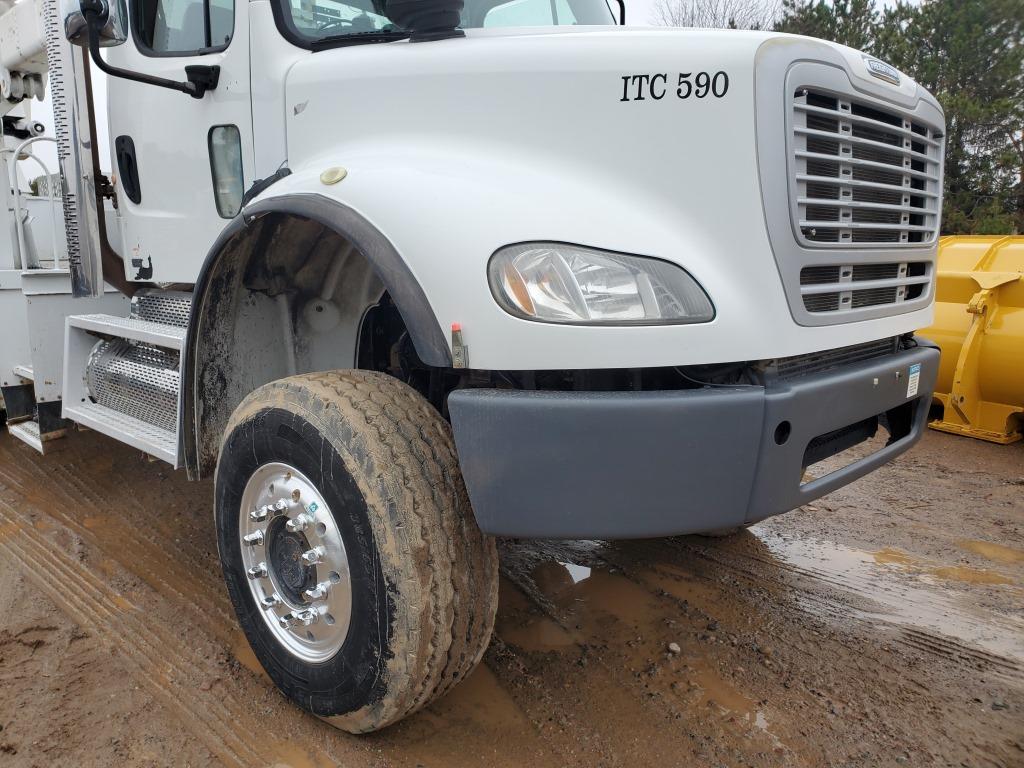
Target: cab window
<point x="306" y="22"/>
<point x="530" y="13"/>
<point x="182" y="27"/>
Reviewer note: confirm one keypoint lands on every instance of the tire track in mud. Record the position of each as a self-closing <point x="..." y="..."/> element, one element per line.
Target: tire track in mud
<point x="125" y="540"/>
<point x="106" y="615"/>
<point x="770" y="572"/>
<point x="215" y="715"/>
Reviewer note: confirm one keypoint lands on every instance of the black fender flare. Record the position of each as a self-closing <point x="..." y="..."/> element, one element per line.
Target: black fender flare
<point x="235" y="245"/>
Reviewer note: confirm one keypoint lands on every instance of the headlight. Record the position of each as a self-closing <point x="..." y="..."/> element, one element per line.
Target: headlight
<point x="557" y="283"/>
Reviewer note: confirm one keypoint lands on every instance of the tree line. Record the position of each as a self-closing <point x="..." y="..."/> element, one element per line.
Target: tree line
<point x="968" y="53"/>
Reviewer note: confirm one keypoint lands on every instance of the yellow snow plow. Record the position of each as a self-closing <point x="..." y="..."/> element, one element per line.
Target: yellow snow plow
<point x="979" y="323"/>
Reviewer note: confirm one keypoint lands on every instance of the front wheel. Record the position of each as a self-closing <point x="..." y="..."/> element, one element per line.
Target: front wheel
<point x="349" y="548"/>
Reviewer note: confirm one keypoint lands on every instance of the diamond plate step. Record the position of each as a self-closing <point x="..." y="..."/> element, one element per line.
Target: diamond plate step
<point x="146" y="331"/>
<point x="126" y="429"/>
<point x="28" y="433"/>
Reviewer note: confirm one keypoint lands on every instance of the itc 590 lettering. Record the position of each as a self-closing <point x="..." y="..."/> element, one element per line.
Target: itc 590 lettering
<point x="686" y="85"/>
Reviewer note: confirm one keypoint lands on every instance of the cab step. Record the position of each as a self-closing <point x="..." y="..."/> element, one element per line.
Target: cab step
<point x="146" y="331"/>
<point x="137" y="433"/>
<point x="45" y="426"/>
<point x="28" y="433"/>
<point x="122" y="374"/>
<point x="24" y="372"/>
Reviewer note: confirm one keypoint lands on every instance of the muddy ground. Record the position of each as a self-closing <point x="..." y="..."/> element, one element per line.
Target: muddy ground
<point x="882" y="625"/>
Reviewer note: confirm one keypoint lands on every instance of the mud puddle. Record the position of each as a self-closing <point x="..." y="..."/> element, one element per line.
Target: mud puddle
<point x="908" y="590"/>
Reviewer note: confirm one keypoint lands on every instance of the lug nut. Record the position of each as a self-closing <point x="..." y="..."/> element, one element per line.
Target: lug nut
<point x="299" y="522"/>
<point x="280" y="506"/>
<point x="254" y="539"/>
<point x="257" y="571"/>
<point x="270" y="601"/>
<point x="259" y="514"/>
<point x="306" y="618"/>
<point x="313" y="556"/>
<point x="318" y="592"/>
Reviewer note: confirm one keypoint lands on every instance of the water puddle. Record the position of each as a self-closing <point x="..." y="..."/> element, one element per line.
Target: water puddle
<point x="910" y="564"/>
<point x="969" y="575"/>
<point x="482" y="702"/>
<point x="995" y="552"/>
<point x="889" y="556"/>
<point x="287" y="755"/>
<point x="907" y="590"/>
<point x="538" y="633"/>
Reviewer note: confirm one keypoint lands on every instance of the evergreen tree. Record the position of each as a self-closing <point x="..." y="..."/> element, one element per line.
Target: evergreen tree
<point x="970" y="55"/>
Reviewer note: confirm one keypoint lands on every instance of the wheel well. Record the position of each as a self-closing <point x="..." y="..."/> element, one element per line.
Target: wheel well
<point x="283" y="294"/>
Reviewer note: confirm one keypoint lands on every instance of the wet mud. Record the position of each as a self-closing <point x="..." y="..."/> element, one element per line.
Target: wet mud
<point x="882" y="625"/>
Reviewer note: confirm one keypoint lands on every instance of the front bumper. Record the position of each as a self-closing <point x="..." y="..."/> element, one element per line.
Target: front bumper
<point x="620" y="465"/>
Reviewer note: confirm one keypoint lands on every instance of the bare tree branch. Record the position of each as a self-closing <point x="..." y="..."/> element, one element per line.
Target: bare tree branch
<point x="719" y="14"/>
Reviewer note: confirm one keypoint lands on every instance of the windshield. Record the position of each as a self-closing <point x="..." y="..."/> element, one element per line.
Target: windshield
<point x="317" y="20"/>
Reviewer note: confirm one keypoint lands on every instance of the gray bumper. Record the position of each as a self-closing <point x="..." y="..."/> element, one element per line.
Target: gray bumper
<point x="642" y="464"/>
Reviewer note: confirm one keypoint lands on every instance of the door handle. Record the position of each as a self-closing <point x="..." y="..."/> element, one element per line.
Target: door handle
<point x="128" y="168"/>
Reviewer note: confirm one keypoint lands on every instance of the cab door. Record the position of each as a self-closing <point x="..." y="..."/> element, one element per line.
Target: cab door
<point x="180" y="164"/>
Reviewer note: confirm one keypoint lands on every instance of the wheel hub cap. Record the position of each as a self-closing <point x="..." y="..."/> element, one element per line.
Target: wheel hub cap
<point x="295" y="558"/>
<point x="284" y="553"/>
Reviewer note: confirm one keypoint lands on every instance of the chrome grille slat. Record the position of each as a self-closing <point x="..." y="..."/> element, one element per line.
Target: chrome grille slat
<point x="864" y="174"/>
<point x="855" y="204"/>
<point x="857" y="162"/>
<point x="810" y="109"/>
<point x="862" y="284"/>
<point x="839" y="288"/>
<point x="862" y="225"/>
<point x="855" y="183"/>
<point x="860" y="141"/>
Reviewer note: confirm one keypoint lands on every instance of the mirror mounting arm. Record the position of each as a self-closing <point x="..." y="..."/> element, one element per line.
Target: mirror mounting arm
<point x="201" y="78"/>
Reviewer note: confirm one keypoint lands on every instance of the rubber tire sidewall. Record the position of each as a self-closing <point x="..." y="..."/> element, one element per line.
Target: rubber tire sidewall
<point x="352" y="679"/>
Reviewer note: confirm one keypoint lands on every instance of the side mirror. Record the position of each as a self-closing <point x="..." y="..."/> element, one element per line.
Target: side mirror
<point x="98" y="23"/>
<point x="114" y="30"/>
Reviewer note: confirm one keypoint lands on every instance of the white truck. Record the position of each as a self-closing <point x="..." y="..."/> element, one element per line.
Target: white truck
<point x="405" y="275"/>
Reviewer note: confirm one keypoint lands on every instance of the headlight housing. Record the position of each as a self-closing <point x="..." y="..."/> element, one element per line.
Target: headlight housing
<point x="572" y="284"/>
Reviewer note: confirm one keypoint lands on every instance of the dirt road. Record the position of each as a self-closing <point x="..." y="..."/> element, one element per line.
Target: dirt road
<point x="883" y="625"/>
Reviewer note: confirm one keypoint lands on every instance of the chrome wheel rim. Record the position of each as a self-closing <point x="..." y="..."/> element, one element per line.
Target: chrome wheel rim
<point x="295" y="561"/>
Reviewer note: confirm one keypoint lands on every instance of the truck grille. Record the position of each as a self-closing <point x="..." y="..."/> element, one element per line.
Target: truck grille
<point x="863" y="175"/>
<point x="836" y="288"/>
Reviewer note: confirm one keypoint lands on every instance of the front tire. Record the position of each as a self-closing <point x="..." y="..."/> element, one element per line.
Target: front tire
<point x="395" y="601"/>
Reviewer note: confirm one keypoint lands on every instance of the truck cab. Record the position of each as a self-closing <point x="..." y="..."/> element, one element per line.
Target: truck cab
<point x="405" y="275"/>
